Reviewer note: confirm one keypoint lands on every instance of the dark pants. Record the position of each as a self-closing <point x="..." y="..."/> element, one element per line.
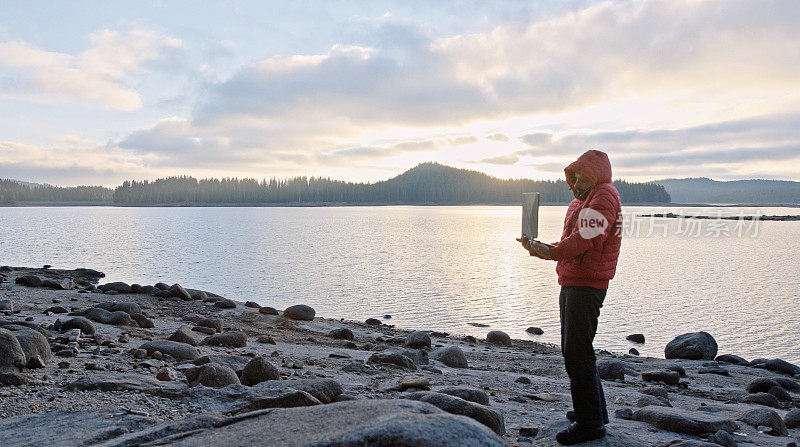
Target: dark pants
<point x="579" y="308"/>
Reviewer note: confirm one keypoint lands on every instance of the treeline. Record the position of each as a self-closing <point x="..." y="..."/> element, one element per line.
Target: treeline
<point x="12" y="192"/>
<point x="426" y="183"/>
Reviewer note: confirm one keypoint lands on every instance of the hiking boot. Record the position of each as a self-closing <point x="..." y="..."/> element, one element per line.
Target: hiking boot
<point x="571" y="417"/>
<point x="575" y="434"/>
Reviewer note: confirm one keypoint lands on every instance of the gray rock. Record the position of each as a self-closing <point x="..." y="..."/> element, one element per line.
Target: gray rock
<point x="456" y="405"/>
<point x="166" y="374"/>
<point x="148" y="290"/>
<point x="266" y="310"/>
<point x="652" y="400"/>
<point x="236" y="399"/>
<point x="713" y="370"/>
<point x="179" y="351"/>
<point x="214" y="323"/>
<point x="692" y="346"/>
<point x="655" y="391"/>
<point x="234" y="362"/>
<point x="128" y="307"/>
<point x="179" y="292"/>
<point x="108" y="381"/>
<point x="451" y="356"/>
<point x="730" y="358"/>
<point x="787" y="383"/>
<point x="684" y="421"/>
<point x="99" y="315"/>
<point x="216" y="375"/>
<point x="119" y="287"/>
<point x="780" y="393"/>
<point x="300" y="312"/>
<point x="418" y="339"/>
<point x="7" y="305"/>
<point x="225" y="303"/>
<point x="633" y="351"/>
<point x="678" y="369"/>
<point x="466" y="393"/>
<point x="185" y="334"/>
<point x="29" y="280"/>
<point x="372" y="322"/>
<point x="67" y="428"/>
<point x="766" y="417"/>
<point x="56" y="310"/>
<point x="498" y="338"/>
<point x="723" y="438"/>
<point x="142" y="321"/>
<point x="782" y="366"/>
<point x="34" y="344"/>
<point x="86" y="326"/>
<point x="534" y="330"/>
<point x="230" y="339"/>
<point x="792" y="418"/>
<point x="259" y="370"/>
<point x="636" y="338"/>
<point x="59" y="283"/>
<point x="12" y="357"/>
<point x="324" y="390"/>
<point x="765" y="399"/>
<point x="386" y="422"/>
<point x="393" y="357"/>
<point x="668" y="377"/>
<point x="611" y="369"/>
<point x="252" y="304"/>
<point x="342" y="334"/>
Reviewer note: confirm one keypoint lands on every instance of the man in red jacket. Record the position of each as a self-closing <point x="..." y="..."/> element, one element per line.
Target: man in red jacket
<point x="586" y="259"/>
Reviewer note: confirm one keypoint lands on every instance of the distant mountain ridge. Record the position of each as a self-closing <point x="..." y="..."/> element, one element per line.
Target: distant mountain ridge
<point x="756" y="191"/>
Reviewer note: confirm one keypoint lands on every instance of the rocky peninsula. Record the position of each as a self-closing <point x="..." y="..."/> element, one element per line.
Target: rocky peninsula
<point x="90" y="364"/>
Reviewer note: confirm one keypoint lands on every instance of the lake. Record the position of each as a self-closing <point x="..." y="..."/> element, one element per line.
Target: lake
<point x="442" y="267"/>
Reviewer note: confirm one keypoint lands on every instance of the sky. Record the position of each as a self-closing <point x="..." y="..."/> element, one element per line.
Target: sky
<point x="97" y="92"/>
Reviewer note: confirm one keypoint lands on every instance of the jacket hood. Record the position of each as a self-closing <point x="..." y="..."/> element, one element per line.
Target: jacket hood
<point x="592" y="164"/>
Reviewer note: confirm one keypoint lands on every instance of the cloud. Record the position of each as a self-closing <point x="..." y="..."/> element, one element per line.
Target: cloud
<point x="104" y="73"/>
<point x="497" y="137"/>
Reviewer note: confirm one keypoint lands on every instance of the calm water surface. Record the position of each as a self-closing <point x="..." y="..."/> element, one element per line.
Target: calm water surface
<point x="440" y="268"/>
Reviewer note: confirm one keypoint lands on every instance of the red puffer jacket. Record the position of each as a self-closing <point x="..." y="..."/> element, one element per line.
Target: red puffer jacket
<point x="589" y="247"/>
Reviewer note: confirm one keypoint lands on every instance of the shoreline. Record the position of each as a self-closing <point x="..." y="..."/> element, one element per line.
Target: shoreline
<point x="317" y="360"/>
<point x="376" y="204"/>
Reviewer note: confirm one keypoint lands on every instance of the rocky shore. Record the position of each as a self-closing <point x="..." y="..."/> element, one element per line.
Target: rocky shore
<point x="87" y="363"/>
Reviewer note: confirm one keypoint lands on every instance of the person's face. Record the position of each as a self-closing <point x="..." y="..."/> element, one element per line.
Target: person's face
<point x="582" y="182"/>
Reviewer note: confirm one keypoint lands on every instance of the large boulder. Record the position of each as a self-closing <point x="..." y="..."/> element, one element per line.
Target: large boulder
<point x="761" y="385"/>
<point x="30" y="281"/>
<point x="764" y="417"/>
<point x="118" y="318"/>
<point x="610" y="369"/>
<point x="466" y="393"/>
<point x="393" y="357"/>
<point x="119" y="287"/>
<point x="109" y="381"/>
<point x="128" y="307"/>
<point x="213" y="323"/>
<point x="418" y="339"/>
<point x="324" y="390"/>
<point x="185" y="334"/>
<point x="456" y="405"/>
<point x="451" y="356"/>
<point x="234" y="362"/>
<point x="498" y="338"/>
<point x="178" y="291"/>
<point x="374" y="422"/>
<point x="230" y="339"/>
<point x="86" y="326"/>
<point x="692" y="346"/>
<point x="665" y="376"/>
<point x="766" y="399"/>
<point x="341" y="333"/>
<point x="259" y="370"/>
<point x="684" y="421"/>
<point x="34" y="344"/>
<point x="300" y="312"/>
<point x="792" y="418"/>
<point x="12" y="357"/>
<point x="178" y="351"/>
<point x="782" y="366"/>
<point x="216" y="376"/>
<point x="66" y="283"/>
<point x="7" y="305"/>
<point x="730" y="358"/>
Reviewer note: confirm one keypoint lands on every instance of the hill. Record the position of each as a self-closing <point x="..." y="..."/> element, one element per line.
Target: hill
<point x="427" y="183"/>
<point x="706" y="190"/>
